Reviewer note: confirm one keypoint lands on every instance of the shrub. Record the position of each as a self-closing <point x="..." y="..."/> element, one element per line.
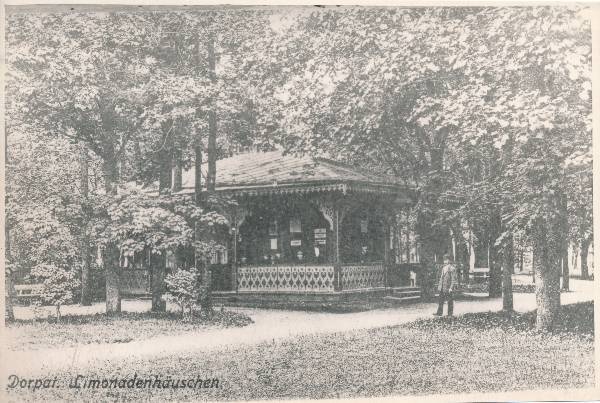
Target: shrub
<point x="59" y="285"/>
<point x="183" y="289"/>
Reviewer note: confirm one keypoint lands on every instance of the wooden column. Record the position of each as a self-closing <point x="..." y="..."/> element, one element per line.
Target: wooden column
<point x="333" y="213"/>
<point x="336" y="249"/>
<point x="386" y="249"/>
<point x="234" y="231"/>
<point x="239" y="216"/>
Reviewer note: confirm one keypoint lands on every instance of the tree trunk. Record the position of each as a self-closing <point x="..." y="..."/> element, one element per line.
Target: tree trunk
<point x="585" y="248"/>
<point x="164" y="175"/>
<point x="177" y="171"/>
<point x="211" y="177"/>
<point x="158" y="282"/>
<point x="9" y="297"/>
<point x="212" y="121"/>
<point x="495" y="280"/>
<point x="507" y="270"/>
<point x="158" y="261"/>
<point x="9" y="292"/>
<point x="534" y="259"/>
<point x="495" y="261"/>
<point x="113" y="284"/>
<point x="565" y="267"/>
<point x="427" y="278"/>
<point x="564" y="252"/>
<point x="110" y="171"/>
<point x="511" y="255"/>
<point x="198" y="198"/>
<point x="86" y="278"/>
<point x="111" y="253"/>
<point x="86" y="258"/>
<point x="547" y="279"/>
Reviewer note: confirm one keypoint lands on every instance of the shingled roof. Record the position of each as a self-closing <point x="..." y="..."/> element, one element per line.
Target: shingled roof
<point x="273" y="172"/>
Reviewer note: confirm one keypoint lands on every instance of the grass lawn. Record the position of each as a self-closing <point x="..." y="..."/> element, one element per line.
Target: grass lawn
<point x="520" y="284"/>
<point x="471" y="353"/>
<point x="99" y="328"/>
<point x="484" y="287"/>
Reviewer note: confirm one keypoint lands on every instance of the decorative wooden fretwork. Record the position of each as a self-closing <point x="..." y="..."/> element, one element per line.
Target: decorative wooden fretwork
<point x="362" y="276"/>
<point x="285" y="279"/>
<point x="328" y="211"/>
<point x="275" y="189"/>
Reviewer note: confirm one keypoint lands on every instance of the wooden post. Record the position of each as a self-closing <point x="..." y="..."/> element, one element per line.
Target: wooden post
<point x="336" y="250"/>
<point x="386" y="249"/>
<point x="235" y="255"/>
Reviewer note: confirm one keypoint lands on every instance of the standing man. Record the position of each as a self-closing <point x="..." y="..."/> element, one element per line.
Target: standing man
<point x="446" y="284"/>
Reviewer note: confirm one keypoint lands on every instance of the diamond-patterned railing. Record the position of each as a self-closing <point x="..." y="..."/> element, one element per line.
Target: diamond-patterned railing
<point x="285" y="279"/>
<point x="362" y="276"/>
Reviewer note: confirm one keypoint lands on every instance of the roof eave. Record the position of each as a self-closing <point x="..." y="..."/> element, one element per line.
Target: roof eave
<point x="310" y="187"/>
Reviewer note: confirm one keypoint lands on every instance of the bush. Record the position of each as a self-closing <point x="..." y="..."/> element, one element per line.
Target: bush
<point x="183" y="289"/>
<point x="59" y="285"/>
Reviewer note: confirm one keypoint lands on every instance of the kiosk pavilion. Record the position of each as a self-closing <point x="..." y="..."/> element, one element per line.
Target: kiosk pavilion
<point x="306" y="226"/>
<point x="306" y="229"/>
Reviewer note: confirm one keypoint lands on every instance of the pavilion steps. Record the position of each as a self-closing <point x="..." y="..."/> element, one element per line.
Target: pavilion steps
<point x="402" y="294"/>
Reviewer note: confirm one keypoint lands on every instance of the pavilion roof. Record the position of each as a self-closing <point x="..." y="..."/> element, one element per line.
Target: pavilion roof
<point x="273" y="172"/>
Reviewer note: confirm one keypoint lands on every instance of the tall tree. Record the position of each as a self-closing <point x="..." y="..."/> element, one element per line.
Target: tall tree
<point x="502" y="73"/>
<point x="82" y="88"/>
<point x="86" y="250"/>
<point x="507" y="270"/>
<point x="9" y="295"/>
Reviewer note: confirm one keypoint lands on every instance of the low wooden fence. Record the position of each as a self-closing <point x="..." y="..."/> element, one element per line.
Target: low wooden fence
<point x="362" y="276"/>
<point x="286" y="278"/>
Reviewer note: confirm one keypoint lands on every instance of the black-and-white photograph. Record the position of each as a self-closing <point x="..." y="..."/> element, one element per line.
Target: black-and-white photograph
<point x="239" y="203"/>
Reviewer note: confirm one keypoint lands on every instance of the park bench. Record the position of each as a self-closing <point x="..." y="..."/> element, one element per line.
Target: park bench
<point x="479" y="273"/>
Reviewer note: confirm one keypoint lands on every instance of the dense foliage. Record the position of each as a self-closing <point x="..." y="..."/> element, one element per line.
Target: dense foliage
<point x="486" y="111"/>
<point x="183" y="289"/>
<point x="59" y="285"/>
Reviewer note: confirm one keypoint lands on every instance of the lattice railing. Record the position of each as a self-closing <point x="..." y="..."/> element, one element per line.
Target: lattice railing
<point x="285" y="279"/>
<point x="362" y="276"/>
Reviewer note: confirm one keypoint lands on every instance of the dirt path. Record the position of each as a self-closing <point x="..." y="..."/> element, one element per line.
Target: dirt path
<point x="269" y="325"/>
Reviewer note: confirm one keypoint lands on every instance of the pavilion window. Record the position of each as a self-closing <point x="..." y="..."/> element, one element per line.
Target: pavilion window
<point x="363" y="238"/>
<point x="366" y="249"/>
<point x="286" y="233"/>
<point x="274" y="245"/>
<point x="297" y="243"/>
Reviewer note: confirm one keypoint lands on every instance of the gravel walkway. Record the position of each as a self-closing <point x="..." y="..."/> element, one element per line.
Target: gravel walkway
<point x="269" y="325"/>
